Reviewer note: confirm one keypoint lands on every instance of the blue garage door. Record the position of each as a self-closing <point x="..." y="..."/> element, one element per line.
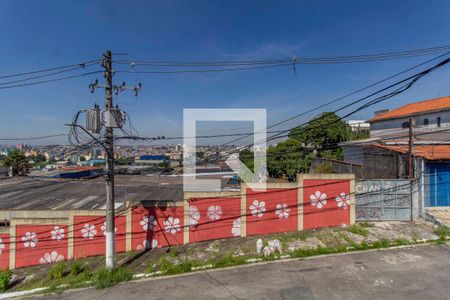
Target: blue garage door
<point x="439" y="184"/>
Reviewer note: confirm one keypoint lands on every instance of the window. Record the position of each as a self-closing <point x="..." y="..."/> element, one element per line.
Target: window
<point x="438" y="122"/>
<point x="425" y="122"/>
<point x="405" y="125"/>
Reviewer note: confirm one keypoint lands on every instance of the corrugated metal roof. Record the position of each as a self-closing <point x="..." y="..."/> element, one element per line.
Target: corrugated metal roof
<point x="415" y="108"/>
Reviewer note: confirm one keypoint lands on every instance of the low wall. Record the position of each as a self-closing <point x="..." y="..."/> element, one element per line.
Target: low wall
<point x="316" y="200"/>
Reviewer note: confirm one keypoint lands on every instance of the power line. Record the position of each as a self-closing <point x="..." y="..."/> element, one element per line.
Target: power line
<point x="295" y="60"/>
<point x="48" y="74"/>
<point x="49" y="80"/>
<point x="34" y="138"/>
<point x="48" y="69"/>
<point x="207" y="70"/>
<point x="346" y="96"/>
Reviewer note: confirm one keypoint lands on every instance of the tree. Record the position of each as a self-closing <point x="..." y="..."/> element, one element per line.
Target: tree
<point x="18" y="163"/>
<point x="321" y="137"/>
<point x="323" y="133"/>
<point x="82" y="158"/>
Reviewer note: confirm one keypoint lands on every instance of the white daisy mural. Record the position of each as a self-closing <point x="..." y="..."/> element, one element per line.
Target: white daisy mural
<point x="103" y="228"/>
<point x="236" y="228"/>
<point x="172" y="225"/>
<point x="30" y="240"/>
<point x="343" y="200"/>
<point x="88" y="231"/>
<point x="146" y="244"/>
<point x="57" y="233"/>
<point x="257" y="208"/>
<point x="2" y="246"/>
<point x="51" y="257"/>
<point x="282" y="211"/>
<point x="318" y="199"/>
<point x="214" y="212"/>
<point x="194" y="215"/>
<point x="148" y="222"/>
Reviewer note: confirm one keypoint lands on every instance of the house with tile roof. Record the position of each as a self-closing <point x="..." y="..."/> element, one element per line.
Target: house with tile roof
<point x="385" y="155"/>
<point x="428" y="115"/>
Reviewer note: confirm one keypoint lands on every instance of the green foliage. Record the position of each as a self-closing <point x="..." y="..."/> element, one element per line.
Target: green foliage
<point x="443" y="232"/>
<point x="358" y="229"/>
<point x="167" y="267"/>
<point x="124" y="161"/>
<point x="57" y="271"/>
<point x="76" y="268"/>
<point x="39" y="158"/>
<point x="319" y="138"/>
<point x="5" y="277"/>
<point x="323" y="131"/>
<point x="246" y="156"/>
<point x="366" y="224"/>
<point x="228" y="260"/>
<point x="18" y="162"/>
<point x="324" y="168"/>
<point x="82" y="158"/>
<point x="104" y="278"/>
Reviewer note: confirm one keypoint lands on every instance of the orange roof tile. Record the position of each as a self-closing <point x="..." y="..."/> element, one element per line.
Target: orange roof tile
<point x="429" y="152"/>
<point x="414" y="108"/>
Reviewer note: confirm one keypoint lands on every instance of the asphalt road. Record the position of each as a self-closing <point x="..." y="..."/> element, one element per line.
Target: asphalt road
<point x="420" y="272"/>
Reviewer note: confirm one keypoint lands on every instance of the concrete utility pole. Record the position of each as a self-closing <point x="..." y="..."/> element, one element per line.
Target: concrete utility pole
<point x="410" y="149"/>
<point x="411" y="164"/>
<point x="109" y="143"/>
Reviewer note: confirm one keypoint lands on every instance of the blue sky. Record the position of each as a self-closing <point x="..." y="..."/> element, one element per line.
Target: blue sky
<point x="39" y="34"/>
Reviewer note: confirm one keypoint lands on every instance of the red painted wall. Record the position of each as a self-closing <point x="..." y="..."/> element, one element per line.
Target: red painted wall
<point x="89" y="235"/>
<point x="156" y="227"/>
<point x="325" y="203"/>
<point x="214" y="218"/>
<point x="272" y="211"/>
<point x="4" y="251"/>
<point x="40" y="244"/>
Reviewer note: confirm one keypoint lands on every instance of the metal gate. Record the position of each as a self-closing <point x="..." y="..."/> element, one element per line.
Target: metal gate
<point x="383" y="199"/>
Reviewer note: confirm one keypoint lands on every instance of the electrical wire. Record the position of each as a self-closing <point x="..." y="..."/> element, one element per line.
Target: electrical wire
<point x="50" y="80"/>
<point x="48" y="69"/>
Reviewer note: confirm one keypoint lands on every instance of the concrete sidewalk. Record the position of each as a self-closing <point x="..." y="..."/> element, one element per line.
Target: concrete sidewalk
<point x="440" y="214"/>
<point x="418" y="272"/>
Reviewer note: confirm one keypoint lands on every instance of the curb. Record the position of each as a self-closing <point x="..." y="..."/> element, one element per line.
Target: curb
<point x="141" y="277"/>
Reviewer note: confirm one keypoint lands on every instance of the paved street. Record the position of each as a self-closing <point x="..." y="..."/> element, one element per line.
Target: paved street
<point x="421" y="272"/>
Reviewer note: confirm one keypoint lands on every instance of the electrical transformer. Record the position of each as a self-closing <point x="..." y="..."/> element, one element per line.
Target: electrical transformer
<point x="93" y="120"/>
<point x="114" y="118"/>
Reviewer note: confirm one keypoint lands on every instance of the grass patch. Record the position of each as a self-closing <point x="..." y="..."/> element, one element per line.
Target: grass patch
<point x="57" y="271"/>
<point x="104" y="278"/>
<point x="228" y="260"/>
<point x="5" y="277"/>
<point x="443" y="232"/>
<point x="358" y="229"/>
<point x="365" y="224"/>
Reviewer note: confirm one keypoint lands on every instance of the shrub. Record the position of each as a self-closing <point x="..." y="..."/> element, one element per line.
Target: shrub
<point x="228" y="260"/>
<point x="76" y="268"/>
<point x="57" y="271"/>
<point x="443" y="232"/>
<point x="169" y="268"/>
<point x="324" y="168"/>
<point x="358" y="229"/>
<point x="5" y="277"/>
<point x="105" y="278"/>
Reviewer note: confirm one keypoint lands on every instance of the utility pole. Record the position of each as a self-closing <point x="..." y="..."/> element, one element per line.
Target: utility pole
<point x="411" y="163"/>
<point x="109" y="177"/>
<point x="410" y="149"/>
<point x="112" y="117"/>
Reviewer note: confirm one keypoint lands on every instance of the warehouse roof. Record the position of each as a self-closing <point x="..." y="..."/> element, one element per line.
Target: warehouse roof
<point x="415" y="108"/>
<point x="27" y="193"/>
